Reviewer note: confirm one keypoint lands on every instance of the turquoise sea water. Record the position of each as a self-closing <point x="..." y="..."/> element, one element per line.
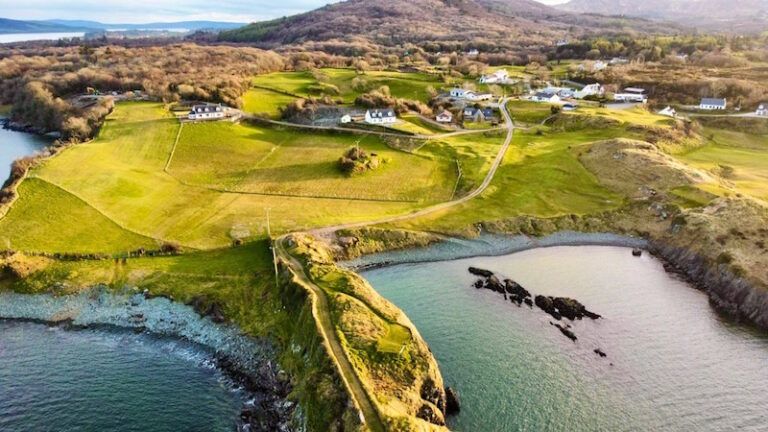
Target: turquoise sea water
<point x="53" y="379"/>
<point x="673" y="364"/>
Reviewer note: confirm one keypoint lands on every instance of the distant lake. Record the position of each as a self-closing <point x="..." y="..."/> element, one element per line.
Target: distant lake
<point x="24" y="37"/>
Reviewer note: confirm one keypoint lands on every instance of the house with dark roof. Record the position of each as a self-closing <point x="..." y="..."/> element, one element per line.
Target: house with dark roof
<point x="713" y="104"/>
<point x="545" y="96"/>
<point x="380" y="116"/>
<point x="473" y="114"/>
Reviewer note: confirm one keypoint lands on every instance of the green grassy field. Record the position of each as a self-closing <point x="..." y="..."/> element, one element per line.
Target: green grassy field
<point x="744" y="155"/>
<point x="529" y="113"/>
<point x="253" y="159"/>
<point x="540" y="176"/>
<point x="221" y="180"/>
<point x="265" y="102"/>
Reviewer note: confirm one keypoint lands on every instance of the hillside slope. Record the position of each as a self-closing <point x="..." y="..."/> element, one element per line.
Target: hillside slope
<point x="717" y="15"/>
<point x="442" y="25"/>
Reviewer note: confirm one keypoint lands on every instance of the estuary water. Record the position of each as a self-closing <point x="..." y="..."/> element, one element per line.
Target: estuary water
<point x="53" y="379"/>
<point x="14" y="145"/>
<point x="673" y="364"/>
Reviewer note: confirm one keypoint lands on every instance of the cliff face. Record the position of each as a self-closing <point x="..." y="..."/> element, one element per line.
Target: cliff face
<point x="728" y="293"/>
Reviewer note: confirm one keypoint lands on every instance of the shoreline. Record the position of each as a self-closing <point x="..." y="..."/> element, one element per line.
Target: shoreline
<point x="729" y="293"/>
<point x="248" y="362"/>
<point x="487" y="245"/>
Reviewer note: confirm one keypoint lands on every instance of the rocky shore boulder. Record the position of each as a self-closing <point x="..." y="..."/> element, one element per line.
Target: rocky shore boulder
<point x="480" y="272"/>
<point x="452" y="405"/>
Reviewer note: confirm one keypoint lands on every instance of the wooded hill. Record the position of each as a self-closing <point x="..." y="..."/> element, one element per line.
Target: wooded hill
<point x="352" y="27"/>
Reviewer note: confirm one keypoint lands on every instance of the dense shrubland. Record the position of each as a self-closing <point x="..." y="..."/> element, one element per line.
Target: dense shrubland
<point x="40" y="80"/>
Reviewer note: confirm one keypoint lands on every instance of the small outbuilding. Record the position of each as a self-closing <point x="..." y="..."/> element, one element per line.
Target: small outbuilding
<point x="762" y="110"/>
<point x="444" y="117"/>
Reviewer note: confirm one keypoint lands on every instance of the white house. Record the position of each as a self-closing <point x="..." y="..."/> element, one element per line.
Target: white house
<point x="444" y="117"/>
<point x="458" y="92"/>
<point x="207" y="112"/>
<point x="590" y="90"/>
<point x="380" y="116"/>
<point x="546" y="97"/>
<point x="346" y="118"/>
<point x="762" y="110"/>
<point x="561" y="42"/>
<point x="631" y="94"/>
<point x="473" y="52"/>
<point x="668" y="112"/>
<point x="476" y="97"/>
<point x="501" y="76"/>
<point x="713" y="104"/>
<point x="618" y="61"/>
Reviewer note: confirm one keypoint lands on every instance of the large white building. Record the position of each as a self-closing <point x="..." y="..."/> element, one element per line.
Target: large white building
<point x="631" y="94"/>
<point x="207" y="112"/>
<point x="713" y="104"/>
<point x="380" y="116"/>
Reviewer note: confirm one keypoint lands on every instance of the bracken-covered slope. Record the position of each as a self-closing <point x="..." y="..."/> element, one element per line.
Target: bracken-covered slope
<point x="443" y="24"/>
<point x="718" y="15"/>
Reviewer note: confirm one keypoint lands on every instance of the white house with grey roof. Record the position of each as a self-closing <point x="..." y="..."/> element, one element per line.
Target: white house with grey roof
<point x="631" y="94"/>
<point x="380" y="116"/>
<point x="713" y="104"/>
<point x="207" y="112"/>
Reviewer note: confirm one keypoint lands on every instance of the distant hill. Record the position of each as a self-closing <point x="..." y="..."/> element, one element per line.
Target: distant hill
<point x="16" y="26"/>
<point x="55" y="26"/>
<point x="710" y="15"/>
<point x="494" y="25"/>
<point x="189" y="25"/>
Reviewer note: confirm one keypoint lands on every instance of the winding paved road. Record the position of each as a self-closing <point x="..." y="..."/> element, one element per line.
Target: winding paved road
<point x="368" y="411"/>
<point x="444" y="205"/>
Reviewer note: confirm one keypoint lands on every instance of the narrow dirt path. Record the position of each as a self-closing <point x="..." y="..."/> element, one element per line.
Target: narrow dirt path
<point x="321" y="312"/>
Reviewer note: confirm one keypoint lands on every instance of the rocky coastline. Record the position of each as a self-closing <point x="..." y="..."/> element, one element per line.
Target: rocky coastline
<point x="729" y="293"/>
<point x="248" y="362"/>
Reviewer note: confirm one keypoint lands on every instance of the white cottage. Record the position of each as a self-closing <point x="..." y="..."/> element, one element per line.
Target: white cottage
<point x="590" y="90"/>
<point x="762" y="110"/>
<point x="207" y="112"/>
<point x="713" y="104"/>
<point x="631" y="94"/>
<point x="444" y="117"/>
<point x="668" y="112"/>
<point x="380" y="116"/>
<point x="546" y="97"/>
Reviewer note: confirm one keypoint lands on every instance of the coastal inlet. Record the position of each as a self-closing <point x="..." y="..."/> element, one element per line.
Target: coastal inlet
<point x="677" y="364"/>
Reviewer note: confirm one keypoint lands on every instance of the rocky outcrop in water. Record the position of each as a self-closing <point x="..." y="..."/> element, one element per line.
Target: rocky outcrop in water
<point x="557" y="307"/>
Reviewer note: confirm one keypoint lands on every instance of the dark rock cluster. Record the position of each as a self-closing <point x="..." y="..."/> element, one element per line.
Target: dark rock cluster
<point x="558" y="308"/>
